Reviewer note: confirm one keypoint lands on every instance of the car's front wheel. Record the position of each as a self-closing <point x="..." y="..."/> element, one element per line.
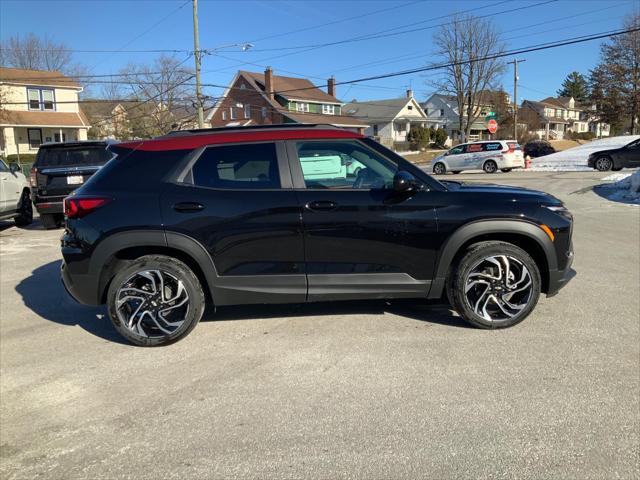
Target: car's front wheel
<point x="604" y="164"/>
<point x="494" y="285"/>
<point x="439" y="168"/>
<point x="155" y="300"/>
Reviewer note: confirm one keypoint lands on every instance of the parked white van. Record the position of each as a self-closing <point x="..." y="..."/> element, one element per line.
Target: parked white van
<point x="489" y="155"/>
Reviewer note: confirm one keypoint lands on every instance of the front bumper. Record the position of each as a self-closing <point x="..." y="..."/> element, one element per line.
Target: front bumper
<point x="559" y="278"/>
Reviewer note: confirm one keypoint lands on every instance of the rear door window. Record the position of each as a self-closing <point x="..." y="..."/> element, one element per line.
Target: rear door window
<point x="250" y="166"/>
<point x="475" y="147"/>
<point x="73" y="156"/>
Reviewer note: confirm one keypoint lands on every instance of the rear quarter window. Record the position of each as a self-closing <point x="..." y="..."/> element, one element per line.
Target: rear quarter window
<point x="492" y="147"/>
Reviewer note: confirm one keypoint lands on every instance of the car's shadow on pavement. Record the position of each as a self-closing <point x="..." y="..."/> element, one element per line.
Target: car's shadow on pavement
<point x="44" y="294"/>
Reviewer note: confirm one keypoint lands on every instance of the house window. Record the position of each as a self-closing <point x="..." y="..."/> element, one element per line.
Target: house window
<point x="41" y="99"/>
<point x="264" y="112"/>
<point x="224" y="115"/>
<point x="302" y="107"/>
<point x="328" y="109"/>
<point x="58" y="139"/>
<point x="442" y="112"/>
<point x="247" y="110"/>
<point x="35" y="138"/>
<point x="375" y="130"/>
<point x="232" y="113"/>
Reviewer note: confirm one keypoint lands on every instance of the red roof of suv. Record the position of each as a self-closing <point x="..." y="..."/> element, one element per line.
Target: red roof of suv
<point x="191" y="139"/>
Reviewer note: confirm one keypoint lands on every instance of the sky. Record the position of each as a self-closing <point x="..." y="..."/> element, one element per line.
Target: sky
<point x="404" y="31"/>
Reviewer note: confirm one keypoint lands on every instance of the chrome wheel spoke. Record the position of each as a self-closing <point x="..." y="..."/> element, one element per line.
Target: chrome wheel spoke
<point x="152" y="303"/>
<point x="498" y="288"/>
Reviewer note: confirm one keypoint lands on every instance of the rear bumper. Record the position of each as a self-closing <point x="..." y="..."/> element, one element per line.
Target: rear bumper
<point x="81" y="288"/>
<point x="46" y="205"/>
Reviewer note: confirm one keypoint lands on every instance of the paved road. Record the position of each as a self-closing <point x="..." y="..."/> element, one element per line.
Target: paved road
<point x="357" y="390"/>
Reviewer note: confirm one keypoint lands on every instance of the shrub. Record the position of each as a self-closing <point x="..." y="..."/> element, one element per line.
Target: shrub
<point x="24" y="158"/>
<point x="439" y="137"/>
<point x="538" y="148"/>
<point x="418" y="137"/>
<point x="582" y="135"/>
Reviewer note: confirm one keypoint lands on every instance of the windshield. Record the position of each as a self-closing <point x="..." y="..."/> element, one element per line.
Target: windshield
<point x="73" y="156"/>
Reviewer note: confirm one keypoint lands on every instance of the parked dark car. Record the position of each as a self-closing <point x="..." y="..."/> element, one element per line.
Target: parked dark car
<point x="59" y="169"/>
<point x="616" y="159"/>
<point x="538" y="148"/>
<point x="261" y="215"/>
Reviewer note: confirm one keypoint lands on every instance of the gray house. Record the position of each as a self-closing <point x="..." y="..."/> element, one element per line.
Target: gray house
<point x="389" y="120"/>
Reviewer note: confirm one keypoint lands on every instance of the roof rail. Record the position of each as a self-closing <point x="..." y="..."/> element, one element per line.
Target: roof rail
<point x="276" y="126"/>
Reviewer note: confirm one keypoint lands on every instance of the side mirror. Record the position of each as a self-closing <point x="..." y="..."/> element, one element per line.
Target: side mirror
<point x="14" y="167"/>
<point x="404" y="182"/>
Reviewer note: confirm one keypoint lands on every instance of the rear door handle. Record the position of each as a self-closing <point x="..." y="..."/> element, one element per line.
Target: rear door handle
<point x="188" y="207"/>
<point x="321" y="205"/>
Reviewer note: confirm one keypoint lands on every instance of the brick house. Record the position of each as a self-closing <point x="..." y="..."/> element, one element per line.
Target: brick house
<point x="264" y="98"/>
<point x="38" y="106"/>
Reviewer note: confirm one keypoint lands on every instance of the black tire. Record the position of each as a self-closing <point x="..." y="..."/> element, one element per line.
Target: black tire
<point x="604" y="164"/>
<point x="439" y="168"/>
<point x="506" y="170"/>
<point x="25" y="212"/>
<point x="459" y="277"/>
<point x="175" y="269"/>
<point x="490" y="166"/>
<point x="49" y="221"/>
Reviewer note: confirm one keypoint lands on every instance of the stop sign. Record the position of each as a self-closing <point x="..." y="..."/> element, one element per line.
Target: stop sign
<point x="492" y="126"/>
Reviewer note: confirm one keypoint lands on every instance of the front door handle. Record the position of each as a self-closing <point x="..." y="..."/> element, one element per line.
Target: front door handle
<point x="321" y="205"/>
<point x="188" y="207"/>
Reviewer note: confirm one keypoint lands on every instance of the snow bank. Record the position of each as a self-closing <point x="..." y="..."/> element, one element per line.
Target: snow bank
<point x="626" y="189"/>
<point x="575" y="159"/>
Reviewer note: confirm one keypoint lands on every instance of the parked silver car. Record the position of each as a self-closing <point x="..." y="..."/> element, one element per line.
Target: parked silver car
<point x="489" y="155"/>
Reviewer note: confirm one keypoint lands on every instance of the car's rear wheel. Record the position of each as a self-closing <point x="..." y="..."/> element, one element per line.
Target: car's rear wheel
<point x="155" y="300"/>
<point x="25" y="213"/>
<point x="51" y="220"/>
<point x="494" y="285"/>
<point x="506" y="170"/>
<point x="490" y="166"/>
<point x="604" y="164"/>
<point x="439" y="168"/>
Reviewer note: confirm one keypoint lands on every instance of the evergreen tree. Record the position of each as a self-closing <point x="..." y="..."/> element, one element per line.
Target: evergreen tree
<point x="576" y="86"/>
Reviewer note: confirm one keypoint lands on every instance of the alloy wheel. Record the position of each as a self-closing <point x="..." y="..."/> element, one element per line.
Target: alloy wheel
<point x="603" y="164"/>
<point x="439" y="169"/>
<point x="152" y="303"/>
<point x="498" y="288"/>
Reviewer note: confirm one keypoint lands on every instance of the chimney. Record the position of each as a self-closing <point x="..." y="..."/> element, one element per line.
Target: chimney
<point x="409" y="93"/>
<point x="331" y="86"/>
<point x="268" y="82"/>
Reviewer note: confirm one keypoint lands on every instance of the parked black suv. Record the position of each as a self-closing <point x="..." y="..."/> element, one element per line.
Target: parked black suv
<point x="269" y="215"/>
<point x="59" y="169"/>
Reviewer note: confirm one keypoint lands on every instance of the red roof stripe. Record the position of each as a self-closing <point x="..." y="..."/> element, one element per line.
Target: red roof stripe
<point x="189" y="142"/>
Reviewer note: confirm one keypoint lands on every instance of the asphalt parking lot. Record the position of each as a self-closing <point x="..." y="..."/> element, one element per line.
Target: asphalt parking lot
<point x="355" y="390"/>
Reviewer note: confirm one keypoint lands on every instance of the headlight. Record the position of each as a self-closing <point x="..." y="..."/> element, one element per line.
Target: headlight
<point x="560" y="210"/>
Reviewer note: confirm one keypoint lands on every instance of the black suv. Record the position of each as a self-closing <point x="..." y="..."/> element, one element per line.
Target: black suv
<point x="59" y="169"/>
<point x="270" y="215"/>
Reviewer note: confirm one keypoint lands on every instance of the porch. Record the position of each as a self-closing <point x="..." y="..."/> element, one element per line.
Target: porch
<point x="27" y="140"/>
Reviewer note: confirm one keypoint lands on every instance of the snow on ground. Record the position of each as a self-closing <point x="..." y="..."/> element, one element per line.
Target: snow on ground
<point x="575" y="159"/>
<point x="623" y="188"/>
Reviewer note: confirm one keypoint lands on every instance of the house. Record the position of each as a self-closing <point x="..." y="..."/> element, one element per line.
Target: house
<point x="109" y="119"/>
<point x="36" y="107"/>
<point x="264" y="98"/>
<point x="442" y="112"/>
<point x="553" y="118"/>
<point x="389" y="120"/>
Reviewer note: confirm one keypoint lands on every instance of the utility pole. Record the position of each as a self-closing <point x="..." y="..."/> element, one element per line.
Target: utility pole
<point x="198" y="57"/>
<point x="515" y="96"/>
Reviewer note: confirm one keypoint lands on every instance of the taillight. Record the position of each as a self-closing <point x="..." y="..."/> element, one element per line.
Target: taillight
<point x="33" y="179"/>
<point x="78" y="207"/>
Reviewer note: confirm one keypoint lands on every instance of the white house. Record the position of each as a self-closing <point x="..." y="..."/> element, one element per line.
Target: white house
<point x="389" y="120"/>
<point x="38" y="106"/>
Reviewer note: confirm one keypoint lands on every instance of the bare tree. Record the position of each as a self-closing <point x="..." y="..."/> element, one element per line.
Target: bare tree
<point x="160" y="88"/>
<point x="463" y="45"/>
<point x="34" y="53"/>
